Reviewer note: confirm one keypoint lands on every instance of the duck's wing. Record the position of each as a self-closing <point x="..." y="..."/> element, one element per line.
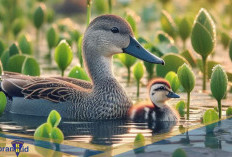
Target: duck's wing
<point x="81" y="83"/>
<point x="40" y="88"/>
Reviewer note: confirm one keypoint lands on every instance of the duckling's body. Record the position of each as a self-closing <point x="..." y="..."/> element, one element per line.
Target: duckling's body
<point x="103" y="98"/>
<point x="157" y="109"/>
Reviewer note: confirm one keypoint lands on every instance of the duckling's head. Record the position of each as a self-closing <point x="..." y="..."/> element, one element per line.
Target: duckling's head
<point x="109" y="34"/>
<point x="160" y="91"/>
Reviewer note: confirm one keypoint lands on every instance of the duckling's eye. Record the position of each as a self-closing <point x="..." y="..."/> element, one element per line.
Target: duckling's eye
<point x="114" y="30"/>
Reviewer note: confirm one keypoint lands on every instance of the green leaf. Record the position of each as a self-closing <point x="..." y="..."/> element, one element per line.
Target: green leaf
<point x="4" y="58"/>
<point x="163" y="37"/>
<point x="57" y="135"/>
<point x="3" y="102"/>
<point x="31" y="67"/>
<point x="184" y="28"/>
<point x="25" y="45"/>
<point x="180" y="107"/>
<point x="75" y="35"/>
<point x="218" y="82"/>
<point x="210" y="65"/>
<point x="50" y="15"/>
<point x="52" y="37"/>
<point x="2" y="47"/>
<point x="79" y="73"/>
<point x="132" y="23"/>
<point x="186" y="77"/>
<point x="179" y="153"/>
<point x="39" y="16"/>
<point x="14" y="50"/>
<point x="187" y="54"/>
<point x="203" y="34"/>
<point x="15" y="63"/>
<point x="172" y="78"/>
<point x="168" y="24"/>
<point x="17" y="26"/>
<point x="79" y="53"/>
<point x="139" y="142"/>
<point x="127" y="60"/>
<point x="230" y="49"/>
<point x="229" y="111"/>
<point x="210" y="116"/>
<point x="225" y="39"/>
<point x="172" y="63"/>
<point x="43" y="131"/>
<point x="150" y="69"/>
<point x="63" y="55"/>
<point x="54" y="118"/>
<point x="100" y="6"/>
<point x="138" y="71"/>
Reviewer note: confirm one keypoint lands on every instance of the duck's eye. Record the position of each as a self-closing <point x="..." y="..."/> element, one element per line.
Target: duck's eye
<point x="114" y="30"/>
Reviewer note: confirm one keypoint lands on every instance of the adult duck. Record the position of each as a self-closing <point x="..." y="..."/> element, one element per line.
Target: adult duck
<point x="104" y="98"/>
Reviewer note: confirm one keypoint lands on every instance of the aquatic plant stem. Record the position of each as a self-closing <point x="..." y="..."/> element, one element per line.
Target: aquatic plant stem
<point x="219" y="109"/>
<point x="138" y="86"/>
<point x="128" y="75"/>
<point x="62" y="73"/>
<point x="204" y="64"/>
<point x="37" y="43"/>
<point x="188" y="104"/>
<point x="89" y="3"/>
<point x="110" y="6"/>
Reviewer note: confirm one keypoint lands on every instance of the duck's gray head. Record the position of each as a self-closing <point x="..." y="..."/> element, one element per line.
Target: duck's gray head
<point x="110" y="34"/>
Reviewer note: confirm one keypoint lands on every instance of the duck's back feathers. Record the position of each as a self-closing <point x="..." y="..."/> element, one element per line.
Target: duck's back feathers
<point x="39" y="88"/>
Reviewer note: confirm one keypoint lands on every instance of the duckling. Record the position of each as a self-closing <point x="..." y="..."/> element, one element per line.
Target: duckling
<point x="103" y="98"/>
<point x="159" y="92"/>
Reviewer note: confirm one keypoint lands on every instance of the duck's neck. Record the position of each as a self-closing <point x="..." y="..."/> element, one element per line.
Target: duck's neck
<point x="99" y="67"/>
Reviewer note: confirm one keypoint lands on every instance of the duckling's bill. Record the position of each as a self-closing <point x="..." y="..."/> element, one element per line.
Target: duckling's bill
<point x="172" y="95"/>
<point x="136" y="49"/>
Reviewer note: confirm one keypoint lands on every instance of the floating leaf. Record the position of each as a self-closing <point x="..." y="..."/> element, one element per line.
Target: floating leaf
<point x="203" y="34"/>
<point x="167" y="23"/>
<point x="39" y="16"/>
<point x="184" y="28"/>
<point x="189" y="57"/>
<point x="138" y="74"/>
<point x="172" y="63"/>
<point x="139" y="142"/>
<point x="3" y="102"/>
<point x="63" y="55"/>
<point x="229" y="111"/>
<point x="172" y="78"/>
<point x="43" y="131"/>
<point x="30" y="67"/>
<point x="57" y="135"/>
<point x="186" y="77"/>
<point x="15" y="63"/>
<point x="180" y="107"/>
<point x="25" y="45"/>
<point x="52" y="37"/>
<point x="54" y="118"/>
<point x="179" y="153"/>
<point x="79" y="73"/>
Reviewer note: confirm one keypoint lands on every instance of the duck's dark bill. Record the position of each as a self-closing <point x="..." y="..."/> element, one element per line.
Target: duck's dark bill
<point x="172" y="95"/>
<point x="136" y="50"/>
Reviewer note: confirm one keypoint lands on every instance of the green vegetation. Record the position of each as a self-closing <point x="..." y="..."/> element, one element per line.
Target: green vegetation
<point x="187" y="80"/>
<point x="180" y="107"/>
<point x="138" y="74"/>
<point x="172" y="78"/>
<point x="3" y="102"/>
<point x="79" y="73"/>
<point x="139" y="142"/>
<point x="218" y="85"/>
